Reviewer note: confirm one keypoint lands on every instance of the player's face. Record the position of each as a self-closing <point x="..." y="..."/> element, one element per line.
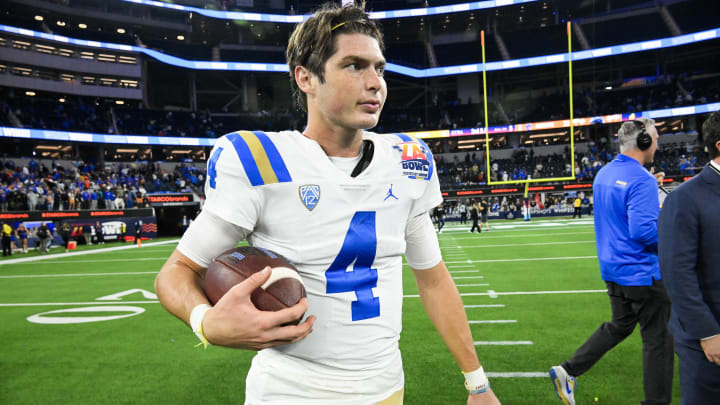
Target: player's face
<point x="354" y="91"/>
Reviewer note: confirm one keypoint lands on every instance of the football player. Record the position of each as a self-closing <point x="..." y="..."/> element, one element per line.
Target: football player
<point x="343" y="205"/>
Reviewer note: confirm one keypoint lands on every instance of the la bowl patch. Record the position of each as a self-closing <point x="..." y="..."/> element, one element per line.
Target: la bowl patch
<point x="414" y="160"/>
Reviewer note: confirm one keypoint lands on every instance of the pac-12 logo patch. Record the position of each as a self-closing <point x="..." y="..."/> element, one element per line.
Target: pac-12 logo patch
<point x="414" y="160"/>
<point x="309" y="195"/>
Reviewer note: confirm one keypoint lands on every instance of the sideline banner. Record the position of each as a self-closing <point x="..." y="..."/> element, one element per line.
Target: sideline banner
<point x="13" y="216"/>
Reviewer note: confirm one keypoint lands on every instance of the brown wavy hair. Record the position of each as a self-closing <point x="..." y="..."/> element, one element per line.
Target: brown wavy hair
<point x="312" y="42"/>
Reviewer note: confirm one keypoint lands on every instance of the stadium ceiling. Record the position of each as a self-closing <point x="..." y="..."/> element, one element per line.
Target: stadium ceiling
<point x="282" y="18"/>
<point x="391" y="67"/>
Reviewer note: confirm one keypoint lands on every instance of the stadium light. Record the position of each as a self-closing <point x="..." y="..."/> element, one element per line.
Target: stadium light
<point x="181" y="37"/>
<point x="621" y="49"/>
<point x="39" y="18"/>
<point x="82" y="26"/>
<point x="60" y="23"/>
<point x="292" y="19"/>
<point x="30" y="93"/>
<point x="121" y="30"/>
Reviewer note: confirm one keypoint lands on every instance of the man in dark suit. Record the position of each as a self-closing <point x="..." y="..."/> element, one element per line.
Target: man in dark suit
<point x="689" y="250"/>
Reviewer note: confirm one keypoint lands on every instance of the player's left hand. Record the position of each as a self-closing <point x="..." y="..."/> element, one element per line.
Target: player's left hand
<point x="486" y="398"/>
<point x="711" y="347"/>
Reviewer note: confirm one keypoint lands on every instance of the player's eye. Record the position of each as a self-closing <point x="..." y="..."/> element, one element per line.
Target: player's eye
<point x="352" y="66"/>
<point x="380" y="70"/>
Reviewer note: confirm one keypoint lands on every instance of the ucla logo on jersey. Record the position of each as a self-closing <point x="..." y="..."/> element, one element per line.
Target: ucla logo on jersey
<point x="309" y="195"/>
<point x="414" y="160"/>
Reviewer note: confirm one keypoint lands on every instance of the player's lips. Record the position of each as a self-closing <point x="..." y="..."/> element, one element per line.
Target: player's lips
<point x="370" y="105"/>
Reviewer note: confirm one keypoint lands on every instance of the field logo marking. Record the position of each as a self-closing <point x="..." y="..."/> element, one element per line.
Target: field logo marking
<point x="117" y="296"/>
<point x="42" y="318"/>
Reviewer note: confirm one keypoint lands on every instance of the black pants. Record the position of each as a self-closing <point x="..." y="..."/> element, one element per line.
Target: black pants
<point x="7" y="250"/>
<point x="475" y="225"/>
<point x="440" y="223"/>
<point x="699" y="379"/>
<point x="650" y="307"/>
<point x="463" y="217"/>
<point x="578" y="212"/>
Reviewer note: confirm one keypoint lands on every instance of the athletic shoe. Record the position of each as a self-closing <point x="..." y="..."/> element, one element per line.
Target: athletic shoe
<point x="564" y="385"/>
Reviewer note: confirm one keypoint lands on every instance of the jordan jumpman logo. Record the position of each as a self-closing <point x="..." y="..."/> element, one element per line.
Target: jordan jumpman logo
<point x="390" y="194"/>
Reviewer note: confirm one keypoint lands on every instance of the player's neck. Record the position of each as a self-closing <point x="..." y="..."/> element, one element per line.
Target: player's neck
<point x="636" y="154"/>
<point x="335" y="141"/>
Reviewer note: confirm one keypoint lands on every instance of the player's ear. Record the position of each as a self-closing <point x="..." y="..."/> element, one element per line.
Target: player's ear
<point x="304" y="80"/>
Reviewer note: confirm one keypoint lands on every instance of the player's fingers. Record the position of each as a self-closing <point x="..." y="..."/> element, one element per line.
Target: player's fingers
<point x="287" y="315"/>
<point x="249" y="285"/>
<point x="289" y="333"/>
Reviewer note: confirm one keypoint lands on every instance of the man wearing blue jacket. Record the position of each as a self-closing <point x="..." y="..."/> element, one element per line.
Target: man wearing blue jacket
<point x="627" y="208"/>
<point x="690" y="262"/>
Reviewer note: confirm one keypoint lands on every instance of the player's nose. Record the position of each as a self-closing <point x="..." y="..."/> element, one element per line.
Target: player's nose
<point x="373" y="81"/>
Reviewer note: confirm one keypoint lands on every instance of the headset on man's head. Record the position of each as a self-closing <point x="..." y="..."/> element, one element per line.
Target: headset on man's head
<point x="644" y="140"/>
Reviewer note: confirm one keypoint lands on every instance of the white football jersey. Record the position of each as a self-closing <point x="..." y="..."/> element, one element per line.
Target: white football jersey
<point x="345" y="235"/>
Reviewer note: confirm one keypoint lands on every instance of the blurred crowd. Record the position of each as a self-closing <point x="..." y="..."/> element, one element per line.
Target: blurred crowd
<point x="470" y="170"/>
<point x="443" y="110"/>
<point x="34" y="186"/>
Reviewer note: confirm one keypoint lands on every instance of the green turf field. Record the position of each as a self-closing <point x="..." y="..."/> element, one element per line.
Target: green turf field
<point x="540" y="280"/>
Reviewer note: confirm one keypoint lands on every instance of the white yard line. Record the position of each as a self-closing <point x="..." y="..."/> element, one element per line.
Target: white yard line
<point x="517" y="374"/>
<point x="471" y="285"/>
<point x="485" y="306"/>
<point x="523" y="244"/>
<point x="495" y="294"/>
<point x="85" y="252"/>
<point x="132" y="259"/>
<point x="464" y="271"/>
<point x="78" y="274"/>
<point x="529" y="259"/>
<point x="493" y="321"/>
<point x="465" y="278"/>
<point x="25" y="304"/>
<point x="494" y="236"/>
<point x="502" y="342"/>
<point x="48" y="304"/>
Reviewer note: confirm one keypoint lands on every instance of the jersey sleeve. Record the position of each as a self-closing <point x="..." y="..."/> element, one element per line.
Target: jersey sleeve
<point x="422" y="249"/>
<point x="229" y="193"/>
<point x="430" y="198"/>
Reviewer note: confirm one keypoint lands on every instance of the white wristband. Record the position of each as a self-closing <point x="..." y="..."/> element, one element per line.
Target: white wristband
<point x="196" y="318"/>
<point x="476" y="382"/>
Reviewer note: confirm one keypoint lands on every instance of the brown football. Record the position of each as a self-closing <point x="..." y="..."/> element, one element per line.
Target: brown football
<point x="283" y="289"/>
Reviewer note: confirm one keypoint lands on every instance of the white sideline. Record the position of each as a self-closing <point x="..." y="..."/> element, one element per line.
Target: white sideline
<point x="85" y="252"/>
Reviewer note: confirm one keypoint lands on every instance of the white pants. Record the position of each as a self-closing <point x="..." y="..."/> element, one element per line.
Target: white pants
<point x="277" y="379"/>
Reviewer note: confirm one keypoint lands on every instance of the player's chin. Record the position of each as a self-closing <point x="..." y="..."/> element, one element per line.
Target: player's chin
<point x="367" y="121"/>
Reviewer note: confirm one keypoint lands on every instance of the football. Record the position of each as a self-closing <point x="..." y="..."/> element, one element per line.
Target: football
<point x="283" y="289"/>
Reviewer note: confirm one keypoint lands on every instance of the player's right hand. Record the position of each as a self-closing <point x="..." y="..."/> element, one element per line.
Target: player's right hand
<point x="235" y="322"/>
